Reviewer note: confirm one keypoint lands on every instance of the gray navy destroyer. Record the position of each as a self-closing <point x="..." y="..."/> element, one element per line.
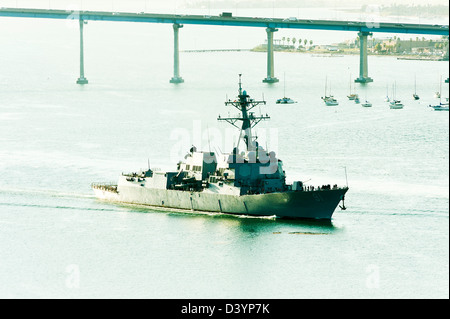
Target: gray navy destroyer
<point x="248" y="182"/>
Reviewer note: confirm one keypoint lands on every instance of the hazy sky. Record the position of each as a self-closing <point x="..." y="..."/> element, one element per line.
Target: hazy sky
<point x="179" y="4"/>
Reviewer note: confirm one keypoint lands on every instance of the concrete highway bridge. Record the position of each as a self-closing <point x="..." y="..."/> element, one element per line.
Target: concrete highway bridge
<point x="271" y="25"/>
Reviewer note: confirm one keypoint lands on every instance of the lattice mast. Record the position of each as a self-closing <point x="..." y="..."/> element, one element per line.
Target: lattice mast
<point x="244" y="104"/>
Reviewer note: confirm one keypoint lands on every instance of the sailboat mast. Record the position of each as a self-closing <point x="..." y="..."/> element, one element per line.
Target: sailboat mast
<point x="350" y="85"/>
<point x="393" y="91"/>
<point x="415" y="85"/>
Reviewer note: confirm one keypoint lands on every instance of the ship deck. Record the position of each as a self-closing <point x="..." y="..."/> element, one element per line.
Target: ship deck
<point x="105" y="187"/>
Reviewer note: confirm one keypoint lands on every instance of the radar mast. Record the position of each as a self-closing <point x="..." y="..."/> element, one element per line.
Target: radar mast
<point x="244" y="104"/>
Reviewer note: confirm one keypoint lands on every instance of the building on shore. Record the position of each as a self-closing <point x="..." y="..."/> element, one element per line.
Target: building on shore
<point x="434" y="48"/>
<point x="416" y="46"/>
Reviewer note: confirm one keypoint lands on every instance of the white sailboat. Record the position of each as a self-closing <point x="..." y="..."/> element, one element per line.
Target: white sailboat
<point x="329" y="99"/>
<point x="415" y="96"/>
<point x="387" y="99"/>
<point x="395" y="104"/>
<point x="437" y="95"/>
<point x="285" y="100"/>
<point x="441" y="106"/>
<point x="351" y="96"/>
<point x="366" y="103"/>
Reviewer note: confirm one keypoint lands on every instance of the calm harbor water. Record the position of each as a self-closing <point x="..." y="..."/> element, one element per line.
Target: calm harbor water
<point x="56" y="138"/>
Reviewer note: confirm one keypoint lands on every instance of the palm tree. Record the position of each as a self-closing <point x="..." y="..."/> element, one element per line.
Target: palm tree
<point x="284" y="39"/>
<point x="377" y="47"/>
<point x="288" y="40"/>
<point x="310" y="42"/>
<point x="305" y="41"/>
<point x="293" y="41"/>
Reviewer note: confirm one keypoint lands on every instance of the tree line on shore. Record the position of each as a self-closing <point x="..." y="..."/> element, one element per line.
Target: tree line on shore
<point x="294" y="41"/>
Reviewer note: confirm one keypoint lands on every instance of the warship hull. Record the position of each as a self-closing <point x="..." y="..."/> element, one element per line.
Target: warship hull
<point x="318" y="204"/>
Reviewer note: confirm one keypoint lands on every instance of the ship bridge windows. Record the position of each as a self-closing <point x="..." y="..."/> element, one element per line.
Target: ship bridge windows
<point x="188" y="167"/>
<point x="196" y="168"/>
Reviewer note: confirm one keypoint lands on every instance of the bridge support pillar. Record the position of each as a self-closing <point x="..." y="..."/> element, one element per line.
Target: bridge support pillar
<point x="176" y="56"/>
<point x="270" y="70"/>
<point x="81" y="79"/>
<point x="363" y="66"/>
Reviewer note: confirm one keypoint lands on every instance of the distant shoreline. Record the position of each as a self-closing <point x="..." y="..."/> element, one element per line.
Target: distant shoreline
<point x="215" y="50"/>
<point x="342" y="52"/>
<point x="325" y="53"/>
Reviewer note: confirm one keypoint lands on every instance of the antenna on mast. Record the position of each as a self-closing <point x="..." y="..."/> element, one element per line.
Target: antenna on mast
<point x="209" y="143"/>
<point x="240" y="84"/>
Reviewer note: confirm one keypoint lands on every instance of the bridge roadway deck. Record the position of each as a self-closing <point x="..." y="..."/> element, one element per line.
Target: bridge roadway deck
<point x="274" y="23"/>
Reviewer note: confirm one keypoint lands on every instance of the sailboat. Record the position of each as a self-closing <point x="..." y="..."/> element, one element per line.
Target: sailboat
<point x="395" y="104"/>
<point x="441" y="106"/>
<point x="437" y="95"/>
<point x="387" y="99"/>
<point x="351" y="96"/>
<point x="329" y="99"/>
<point x="366" y="103"/>
<point x="285" y="100"/>
<point x="415" y="96"/>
